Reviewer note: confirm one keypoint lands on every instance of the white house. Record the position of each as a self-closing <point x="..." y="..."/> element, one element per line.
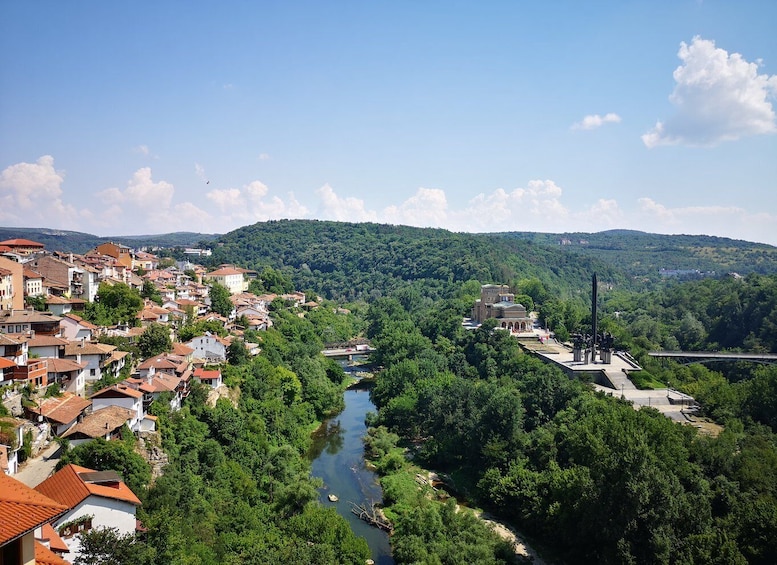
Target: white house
<point x="96" y="499"/>
<point x="229" y="277"/>
<point x="209" y="347"/>
<point x="123" y="396"/>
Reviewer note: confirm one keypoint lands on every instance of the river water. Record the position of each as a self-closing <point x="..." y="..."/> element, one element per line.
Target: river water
<point x="337" y="457"/>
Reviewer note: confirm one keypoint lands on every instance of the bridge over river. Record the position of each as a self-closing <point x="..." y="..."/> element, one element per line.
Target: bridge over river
<point x="688" y="357"/>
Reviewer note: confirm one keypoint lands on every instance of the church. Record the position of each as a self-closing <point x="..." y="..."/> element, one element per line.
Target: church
<point x="496" y="301"/>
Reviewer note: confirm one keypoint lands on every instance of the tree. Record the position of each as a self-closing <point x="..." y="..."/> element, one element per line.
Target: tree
<point x="151" y="292"/>
<point x="115" y="303"/>
<point x="106" y="546"/>
<point x="219" y="299"/>
<point x="237" y="354"/>
<point x="155" y="340"/>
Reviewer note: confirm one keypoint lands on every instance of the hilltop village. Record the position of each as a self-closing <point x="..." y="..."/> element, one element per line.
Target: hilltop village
<point x="65" y="380"/>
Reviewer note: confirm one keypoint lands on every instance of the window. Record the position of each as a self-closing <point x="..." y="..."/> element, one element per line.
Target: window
<point x="92" y="372"/>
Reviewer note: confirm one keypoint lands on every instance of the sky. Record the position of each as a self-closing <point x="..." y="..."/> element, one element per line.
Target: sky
<point x="147" y="117"/>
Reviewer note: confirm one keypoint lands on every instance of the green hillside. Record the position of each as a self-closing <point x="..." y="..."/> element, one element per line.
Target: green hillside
<point x="78" y="242"/>
<point x="349" y="261"/>
<point x="641" y="254"/>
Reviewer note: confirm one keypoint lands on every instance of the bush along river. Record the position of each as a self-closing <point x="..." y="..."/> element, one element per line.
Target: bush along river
<point x="337" y="457"/>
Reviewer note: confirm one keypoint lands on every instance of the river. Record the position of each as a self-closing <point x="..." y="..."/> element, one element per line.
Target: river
<point x="337" y="457"/>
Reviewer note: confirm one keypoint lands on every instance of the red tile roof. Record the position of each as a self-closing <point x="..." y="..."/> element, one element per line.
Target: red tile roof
<point x="23" y="509"/>
<point x="64" y="409"/>
<point x="117" y="391"/>
<point x="44" y="556"/>
<point x="19" y="242"/>
<point x="6" y="363"/>
<point x="70" y="486"/>
<point x="55" y="542"/>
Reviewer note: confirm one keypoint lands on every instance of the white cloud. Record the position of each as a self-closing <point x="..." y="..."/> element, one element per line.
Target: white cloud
<point x="729" y="221"/>
<point x="332" y="207"/>
<point x="145" y="151"/>
<point x="199" y="170"/>
<point x="594" y="121"/>
<point x="31" y="195"/>
<point x="718" y="97"/>
<point x="251" y="204"/>
<point x="264" y="156"/>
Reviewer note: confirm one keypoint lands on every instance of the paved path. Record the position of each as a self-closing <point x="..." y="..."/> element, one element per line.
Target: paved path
<point x="36" y="470"/>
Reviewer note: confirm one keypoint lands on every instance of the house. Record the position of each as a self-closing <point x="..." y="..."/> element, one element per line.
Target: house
<point x="62" y="412"/>
<point x="106" y="424"/>
<point x="212" y="378"/>
<point x="24" y="321"/>
<point x="154" y="385"/>
<point x="94" y="499"/>
<point x="69" y="374"/>
<point x="120" y="395"/>
<point x="59" y="305"/>
<point x="46" y="346"/>
<point x="12" y="437"/>
<point x="23" y="513"/>
<point x="6" y="289"/>
<point x="62" y="272"/>
<point x="209" y="347"/>
<point x="229" y="277"/>
<point x="23" y="246"/>
<point x="146" y="261"/>
<point x="14" y="348"/>
<point x="14" y="284"/>
<point x="34" y="371"/>
<point x="119" y="252"/>
<point x="33" y="282"/>
<point x="98" y="357"/>
<point x="6" y="370"/>
<point x="75" y="327"/>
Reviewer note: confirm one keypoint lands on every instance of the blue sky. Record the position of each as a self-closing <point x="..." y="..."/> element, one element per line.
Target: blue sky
<point x="152" y="117"/>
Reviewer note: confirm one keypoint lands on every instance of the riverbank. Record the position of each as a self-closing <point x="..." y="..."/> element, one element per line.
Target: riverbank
<point x="504" y="530"/>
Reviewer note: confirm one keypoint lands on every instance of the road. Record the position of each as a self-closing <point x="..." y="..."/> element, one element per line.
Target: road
<point x="34" y="471"/>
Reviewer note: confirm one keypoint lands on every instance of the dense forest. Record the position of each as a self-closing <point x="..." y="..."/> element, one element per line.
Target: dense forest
<point x="585" y="473"/>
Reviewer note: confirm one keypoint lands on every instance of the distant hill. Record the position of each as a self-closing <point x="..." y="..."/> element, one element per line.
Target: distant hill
<point x="641" y="254"/>
<point x="350" y="260"/>
<point x="78" y="242"/>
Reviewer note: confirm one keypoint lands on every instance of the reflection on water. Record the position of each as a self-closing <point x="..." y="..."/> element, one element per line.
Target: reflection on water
<point x="337" y="457"/>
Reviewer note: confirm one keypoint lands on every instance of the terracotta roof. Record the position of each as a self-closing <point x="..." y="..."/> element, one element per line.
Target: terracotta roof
<point x="224" y="271"/>
<point x="71" y="485"/>
<point x="8" y="339"/>
<point x="40" y="340"/>
<point x="80" y="320"/>
<point x="19" y="242"/>
<point x="6" y="363"/>
<point x="5" y="248"/>
<point x="5" y="272"/>
<point x="30" y="274"/>
<point x="27" y="316"/>
<point x="23" y="509"/>
<point x="65" y="365"/>
<point x="44" y="556"/>
<point x="73" y="348"/>
<point x="101" y="422"/>
<point x="203" y="374"/>
<point x="55" y="542"/>
<point x="117" y="391"/>
<point x="181" y="349"/>
<point x="62" y="300"/>
<point x="159" y="362"/>
<point x="64" y="409"/>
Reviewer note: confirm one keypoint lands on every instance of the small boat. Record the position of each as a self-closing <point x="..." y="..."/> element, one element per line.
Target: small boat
<point x="332" y="497"/>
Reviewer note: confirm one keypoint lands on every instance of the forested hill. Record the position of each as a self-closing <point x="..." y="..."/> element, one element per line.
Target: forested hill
<point x="642" y="254"/>
<point x="79" y="242"/>
<point x="349" y="260"/>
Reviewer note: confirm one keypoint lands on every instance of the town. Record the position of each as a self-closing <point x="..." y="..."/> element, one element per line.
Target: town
<point x="63" y="383"/>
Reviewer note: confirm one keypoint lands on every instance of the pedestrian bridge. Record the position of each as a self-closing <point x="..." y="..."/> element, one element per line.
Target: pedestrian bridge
<point x="689" y="357"/>
<point x="348" y="352"/>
